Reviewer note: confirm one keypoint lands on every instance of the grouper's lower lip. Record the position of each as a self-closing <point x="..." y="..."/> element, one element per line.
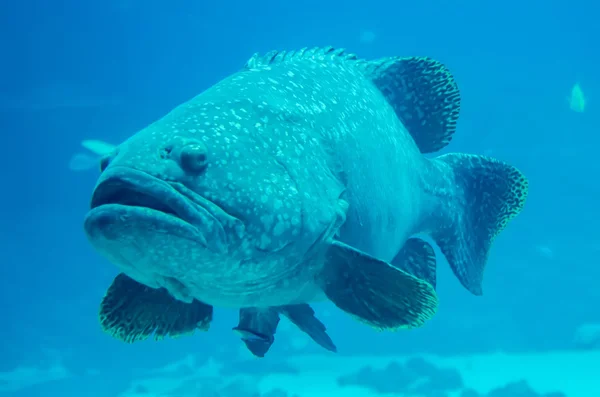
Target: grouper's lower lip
<point x="104" y="217"/>
<point x="125" y="192"/>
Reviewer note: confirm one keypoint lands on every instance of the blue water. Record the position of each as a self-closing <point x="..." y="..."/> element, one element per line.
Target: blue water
<point x="82" y="69"/>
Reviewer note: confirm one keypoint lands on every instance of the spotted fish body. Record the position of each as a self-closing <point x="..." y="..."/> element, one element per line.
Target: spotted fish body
<point x="302" y="178"/>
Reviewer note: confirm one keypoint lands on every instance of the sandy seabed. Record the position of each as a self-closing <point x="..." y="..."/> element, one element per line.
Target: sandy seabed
<point x="574" y="373"/>
<point x="577" y="374"/>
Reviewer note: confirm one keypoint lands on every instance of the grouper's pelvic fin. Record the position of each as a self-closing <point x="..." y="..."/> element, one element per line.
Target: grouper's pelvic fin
<point x="421" y="90"/>
<point x="257" y="326"/>
<point x="131" y="312"/>
<point x="491" y="193"/>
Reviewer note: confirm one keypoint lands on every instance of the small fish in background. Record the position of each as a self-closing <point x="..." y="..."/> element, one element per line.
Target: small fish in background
<point x="587" y="336"/>
<point x="86" y="161"/>
<point x="367" y="36"/>
<point x="545" y="251"/>
<point x="576" y="99"/>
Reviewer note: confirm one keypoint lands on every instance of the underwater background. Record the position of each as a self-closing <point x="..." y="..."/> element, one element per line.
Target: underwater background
<point x="72" y="70"/>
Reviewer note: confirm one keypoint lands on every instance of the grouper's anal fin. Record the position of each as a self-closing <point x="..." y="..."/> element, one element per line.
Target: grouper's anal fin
<point x="417" y="257"/>
<point x="491" y="194"/>
<point x="131" y="312"/>
<point x="375" y="292"/>
<point x="257" y="326"/>
<point x="303" y="316"/>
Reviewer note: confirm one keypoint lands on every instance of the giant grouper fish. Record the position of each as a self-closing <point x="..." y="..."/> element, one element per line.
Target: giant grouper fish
<point x="300" y="178"/>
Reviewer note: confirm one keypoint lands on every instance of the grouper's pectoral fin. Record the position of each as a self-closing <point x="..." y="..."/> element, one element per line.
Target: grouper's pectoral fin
<point x="257" y="326"/>
<point x="417" y="257"/>
<point x="374" y="291"/>
<point x="131" y="311"/>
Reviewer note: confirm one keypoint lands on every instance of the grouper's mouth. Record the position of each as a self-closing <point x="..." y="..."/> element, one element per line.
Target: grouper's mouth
<point x="125" y="189"/>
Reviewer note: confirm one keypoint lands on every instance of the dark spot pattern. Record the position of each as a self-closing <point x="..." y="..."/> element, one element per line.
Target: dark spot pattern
<point x="377" y="293"/>
<point x="494" y="193"/>
<point x="424" y="95"/>
<point x="132" y="312"/>
<point x="417" y="257"/>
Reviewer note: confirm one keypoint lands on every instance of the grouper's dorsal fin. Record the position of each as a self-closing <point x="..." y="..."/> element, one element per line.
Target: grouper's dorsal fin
<point x="424" y="95"/>
<point x="317" y="53"/>
<point x="421" y="90"/>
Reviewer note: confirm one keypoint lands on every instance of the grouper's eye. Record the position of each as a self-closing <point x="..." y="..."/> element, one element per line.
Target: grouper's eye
<point x="193" y="157"/>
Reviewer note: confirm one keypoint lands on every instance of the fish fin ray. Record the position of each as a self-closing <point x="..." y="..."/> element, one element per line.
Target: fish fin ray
<point x="374" y="291"/>
<point x="262" y="324"/>
<point x="424" y="96"/>
<point x="303" y="316"/>
<point x="316" y="53"/>
<point x="131" y="312"/>
<point x="417" y="257"/>
<point x="421" y="90"/>
<point x="493" y="194"/>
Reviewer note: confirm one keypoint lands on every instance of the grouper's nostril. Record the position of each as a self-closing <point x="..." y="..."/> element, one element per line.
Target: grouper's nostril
<point x="193" y="157"/>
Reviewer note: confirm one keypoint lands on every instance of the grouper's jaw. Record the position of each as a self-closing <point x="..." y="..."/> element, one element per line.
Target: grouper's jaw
<point x="158" y="232"/>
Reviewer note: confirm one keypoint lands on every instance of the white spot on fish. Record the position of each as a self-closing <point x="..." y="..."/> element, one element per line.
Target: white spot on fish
<point x="279" y="228"/>
<point x="265" y="240"/>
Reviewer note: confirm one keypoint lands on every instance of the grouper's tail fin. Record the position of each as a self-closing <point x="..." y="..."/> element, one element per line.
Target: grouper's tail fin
<point x="493" y="193"/>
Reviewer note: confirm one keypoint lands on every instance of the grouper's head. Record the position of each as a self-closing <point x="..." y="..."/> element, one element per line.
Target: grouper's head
<point x="201" y="197"/>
